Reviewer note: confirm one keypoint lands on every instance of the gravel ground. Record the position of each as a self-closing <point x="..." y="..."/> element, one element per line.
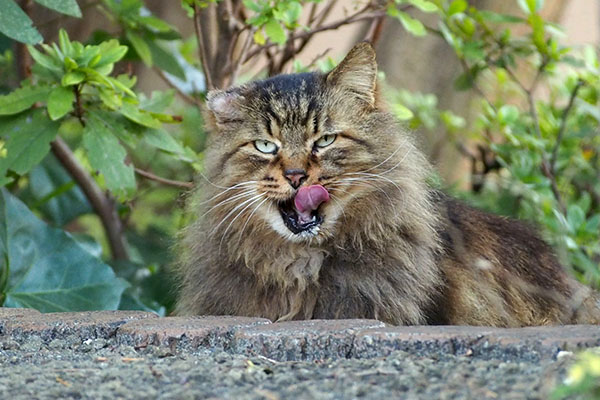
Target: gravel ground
<point x="99" y="369"/>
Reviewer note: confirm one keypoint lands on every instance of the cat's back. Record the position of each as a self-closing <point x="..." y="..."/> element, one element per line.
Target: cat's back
<point x="499" y="272"/>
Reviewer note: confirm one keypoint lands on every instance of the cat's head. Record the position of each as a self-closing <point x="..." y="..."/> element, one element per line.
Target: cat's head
<point x="303" y="155"/>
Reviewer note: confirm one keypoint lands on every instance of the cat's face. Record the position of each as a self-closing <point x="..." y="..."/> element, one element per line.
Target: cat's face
<point x="292" y="153"/>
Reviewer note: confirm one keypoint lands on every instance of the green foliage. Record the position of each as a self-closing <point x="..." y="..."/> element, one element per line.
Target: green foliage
<point x="15" y="23"/>
<point x="533" y="144"/>
<point x="73" y="94"/>
<point x="30" y="253"/>
<point x="583" y="379"/>
<point x="536" y="156"/>
<point x="272" y="19"/>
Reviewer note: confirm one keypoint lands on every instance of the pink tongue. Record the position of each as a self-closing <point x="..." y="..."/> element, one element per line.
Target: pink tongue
<point x="309" y="198"/>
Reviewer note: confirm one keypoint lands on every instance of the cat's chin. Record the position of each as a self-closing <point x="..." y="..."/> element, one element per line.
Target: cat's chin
<point x="285" y="222"/>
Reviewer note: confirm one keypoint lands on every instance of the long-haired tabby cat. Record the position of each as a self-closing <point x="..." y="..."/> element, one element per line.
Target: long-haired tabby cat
<point x="316" y="206"/>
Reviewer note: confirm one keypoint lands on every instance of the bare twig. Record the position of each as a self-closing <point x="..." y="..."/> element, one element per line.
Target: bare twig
<point x="169" y="182"/>
<point x="563" y="125"/>
<point x="475" y="86"/>
<point x="374" y="31"/>
<point x="24" y="60"/>
<point x="317" y="58"/>
<point x="238" y="64"/>
<point x="546" y="167"/>
<point x="188" y="99"/>
<point x="202" y="48"/>
<point x="331" y="26"/>
<point x="102" y="204"/>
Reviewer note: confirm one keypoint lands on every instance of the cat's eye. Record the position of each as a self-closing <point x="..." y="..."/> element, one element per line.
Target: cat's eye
<point x="325" y="140"/>
<point x="264" y="146"/>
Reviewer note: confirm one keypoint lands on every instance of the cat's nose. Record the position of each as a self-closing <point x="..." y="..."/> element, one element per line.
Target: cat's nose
<point x="295" y="177"/>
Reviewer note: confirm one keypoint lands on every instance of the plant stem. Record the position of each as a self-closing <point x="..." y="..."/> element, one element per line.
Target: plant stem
<point x="563" y="125"/>
<point x="202" y="49"/>
<point x="102" y="204"/>
<point x="169" y="182"/>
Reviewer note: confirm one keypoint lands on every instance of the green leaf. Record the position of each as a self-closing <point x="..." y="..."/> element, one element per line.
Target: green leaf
<point x="65" y="45"/>
<point x="500" y="18"/>
<point x="275" y="32"/>
<point x="424" y="5"/>
<point x="457" y="6"/>
<point x="133" y="113"/>
<point x="411" y="24"/>
<point x="60" y="102"/>
<point x="158" y="101"/>
<point x="530" y="6"/>
<point x="53" y="191"/>
<point x="27" y="138"/>
<point x="110" y="98"/>
<point x="67" y="7"/>
<point x="259" y="37"/>
<point x="161" y="139"/>
<point x="156" y="24"/>
<point x="48" y="269"/>
<point x="110" y="52"/>
<point x="23" y="98"/>
<point x="401" y="112"/>
<point x="46" y="61"/>
<point x="140" y="46"/>
<point x="15" y="24"/>
<point x="106" y="153"/>
<point x="165" y="60"/>
<point x="72" y="78"/>
<point x="575" y="216"/>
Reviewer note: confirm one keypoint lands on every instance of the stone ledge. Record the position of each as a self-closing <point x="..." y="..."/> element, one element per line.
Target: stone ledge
<point x="187" y="332"/>
<point x="297" y="340"/>
<point x="86" y="324"/>
<point x="302" y="340"/>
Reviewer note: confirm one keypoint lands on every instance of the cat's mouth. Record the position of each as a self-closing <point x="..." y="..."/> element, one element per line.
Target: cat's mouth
<point x="294" y="221"/>
<point x="301" y="212"/>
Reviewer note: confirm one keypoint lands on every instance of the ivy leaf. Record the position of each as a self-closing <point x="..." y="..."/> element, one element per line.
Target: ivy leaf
<point x="411" y="24"/>
<point x="52" y="191"/>
<point x="60" y="102"/>
<point x="27" y="138"/>
<point x="275" y="32"/>
<point x="48" y="269"/>
<point x="21" y="99"/>
<point x="67" y="7"/>
<point x="106" y="154"/>
<point x="15" y="24"/>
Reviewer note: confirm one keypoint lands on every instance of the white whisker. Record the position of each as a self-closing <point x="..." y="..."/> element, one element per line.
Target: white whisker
<point x="234" y="210"/>
<point x="227" y="190"/>
<point x="248" y="219"/>
<point x="231" y="199"/>
<point x="235" y="218"/>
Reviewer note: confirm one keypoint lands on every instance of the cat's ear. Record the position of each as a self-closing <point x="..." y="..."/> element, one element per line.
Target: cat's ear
<point x="357" y="73"/>
<point x="225" y="105"/>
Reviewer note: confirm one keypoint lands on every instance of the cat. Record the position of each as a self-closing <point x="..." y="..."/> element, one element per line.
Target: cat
<point x="315" y="205"/>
